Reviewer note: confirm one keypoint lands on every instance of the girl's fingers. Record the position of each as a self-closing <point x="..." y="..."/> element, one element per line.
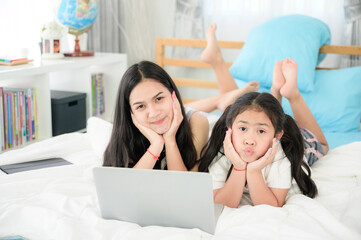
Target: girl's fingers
<point x="227" y="139"/>
<point x="271" y="153"/>
<point x="228" y="147"/>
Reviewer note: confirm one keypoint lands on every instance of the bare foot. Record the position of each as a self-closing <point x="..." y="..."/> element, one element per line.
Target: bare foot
<point x="251" y="86"/>
<point x="228" y="98"/>
<point x="289" y="70"/>
<point x="212" y="53"/>
<point x="278" y="81"/>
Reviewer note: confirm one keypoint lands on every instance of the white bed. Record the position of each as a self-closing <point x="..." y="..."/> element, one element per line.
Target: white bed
<point x="61" y="202"/>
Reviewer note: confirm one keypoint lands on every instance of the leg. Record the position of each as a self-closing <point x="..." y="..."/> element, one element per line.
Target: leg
<point x="301" y="112"/>
<point x="213" y="56"/>
<point x="205" y="105"/>
<point x="228" y="98"/>
<point x="222" y="101"/>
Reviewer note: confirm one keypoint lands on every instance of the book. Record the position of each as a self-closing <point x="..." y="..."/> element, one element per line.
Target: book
<point x="2" y="127"/>
<point x="8" y="60"/>
<point x="35" y="120"/>
<point x="6" y="128"/>
<point x="98" y="103"/>
<point x="12" y="62"/>
<point x="19" y="117"/>
<point x="93" y="95"/>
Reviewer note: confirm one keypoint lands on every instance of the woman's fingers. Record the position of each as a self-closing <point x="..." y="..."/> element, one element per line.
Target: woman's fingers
<point x="177" y="118"/>
<point x="177" y="109"/>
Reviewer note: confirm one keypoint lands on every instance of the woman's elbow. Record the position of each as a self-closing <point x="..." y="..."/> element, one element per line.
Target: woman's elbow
<point x="230" y="204"/>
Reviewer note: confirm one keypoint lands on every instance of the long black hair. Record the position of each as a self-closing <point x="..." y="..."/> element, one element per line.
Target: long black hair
<point x="127" y="144"/>
<point x="291" y="141"/>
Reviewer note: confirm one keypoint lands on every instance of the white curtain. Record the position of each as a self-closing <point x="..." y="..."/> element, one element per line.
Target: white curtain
<point x="123" y="26"/>
<point x="105" y="35"/>
<point x="352" y="33"/>
<point x="138" y="30"/>
<point x="188" y="23"/>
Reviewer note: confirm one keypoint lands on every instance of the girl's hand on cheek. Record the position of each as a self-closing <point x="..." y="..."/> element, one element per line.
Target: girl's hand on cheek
<point x="231" y="153"/>
<point x="262" y="162"/>
<point x="152" y="136"/>
<point x="177" y="119"/>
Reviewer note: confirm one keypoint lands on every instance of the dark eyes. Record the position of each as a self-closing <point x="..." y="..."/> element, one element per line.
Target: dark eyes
<point x="243" y="129"/>
<point x="139" y="107"/>
<point x="158" y="99"/>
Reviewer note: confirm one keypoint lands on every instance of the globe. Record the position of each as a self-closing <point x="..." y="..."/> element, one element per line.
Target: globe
<point x="78" y="16"/>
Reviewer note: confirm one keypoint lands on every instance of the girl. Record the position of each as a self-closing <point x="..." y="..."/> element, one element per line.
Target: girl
<point x="252" y="165"/>
<point x="150" y="123"/>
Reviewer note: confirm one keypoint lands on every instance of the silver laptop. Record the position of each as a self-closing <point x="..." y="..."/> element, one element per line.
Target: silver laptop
<point x="157" y="197"/>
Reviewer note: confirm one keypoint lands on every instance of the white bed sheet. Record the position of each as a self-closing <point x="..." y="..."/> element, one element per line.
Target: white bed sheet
<point x="61" y="202"/>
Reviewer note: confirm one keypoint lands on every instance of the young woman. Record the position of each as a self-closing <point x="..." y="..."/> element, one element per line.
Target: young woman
<point x="150" y="127"/>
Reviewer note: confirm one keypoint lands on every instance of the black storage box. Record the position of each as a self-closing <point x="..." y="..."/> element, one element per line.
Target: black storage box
<point x="68" y="111"/>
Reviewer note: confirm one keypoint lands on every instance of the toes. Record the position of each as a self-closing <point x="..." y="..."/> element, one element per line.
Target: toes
<point x="254" y="84"/>
<point x="213" y="26"/>
<point x="278" y="64"/>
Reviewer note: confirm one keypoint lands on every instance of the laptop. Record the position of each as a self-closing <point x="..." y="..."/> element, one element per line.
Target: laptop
<point x="157" y="197"/>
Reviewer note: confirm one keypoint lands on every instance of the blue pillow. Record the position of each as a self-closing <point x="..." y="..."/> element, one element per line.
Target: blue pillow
<point x="336" y="139"/>
<point x="336" y="100"/>
<point x="295" y="36"/>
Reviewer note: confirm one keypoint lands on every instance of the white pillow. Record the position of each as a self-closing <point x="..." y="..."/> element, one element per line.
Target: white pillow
<point x="99" y="131"/>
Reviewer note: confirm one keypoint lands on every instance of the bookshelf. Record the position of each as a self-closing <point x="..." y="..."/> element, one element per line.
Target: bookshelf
<point x="67" y="74"/>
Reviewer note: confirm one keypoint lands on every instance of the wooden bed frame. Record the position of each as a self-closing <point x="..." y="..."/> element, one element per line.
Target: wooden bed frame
<point x="163" y="61"/>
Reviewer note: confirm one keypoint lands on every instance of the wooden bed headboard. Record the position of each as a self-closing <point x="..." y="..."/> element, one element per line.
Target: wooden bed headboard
<point x="163" y="61"/>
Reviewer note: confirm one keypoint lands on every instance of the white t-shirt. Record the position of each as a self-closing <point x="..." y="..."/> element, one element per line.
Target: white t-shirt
<point x="276" y="175"/>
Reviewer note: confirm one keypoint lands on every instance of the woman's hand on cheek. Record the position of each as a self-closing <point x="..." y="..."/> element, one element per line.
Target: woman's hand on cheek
<point x="177" y="120"/>
<point x="231" y="153"/>
<point x="262" y="162"/>
<point x="152" y="136"/>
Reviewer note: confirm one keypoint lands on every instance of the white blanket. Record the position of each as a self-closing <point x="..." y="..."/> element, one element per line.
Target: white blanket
<point x="61" y="202"/>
